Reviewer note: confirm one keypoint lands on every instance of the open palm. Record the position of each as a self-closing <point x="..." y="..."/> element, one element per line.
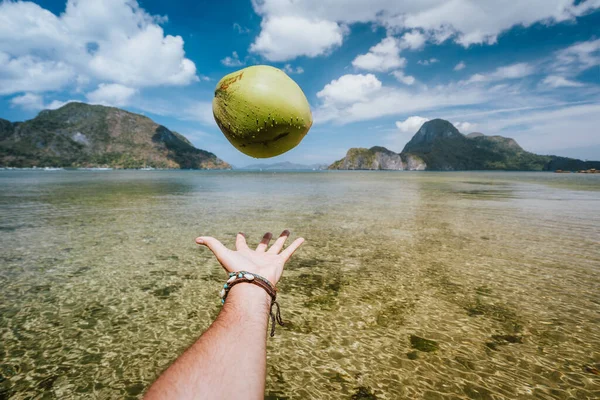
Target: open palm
<point x="264" y="261"/>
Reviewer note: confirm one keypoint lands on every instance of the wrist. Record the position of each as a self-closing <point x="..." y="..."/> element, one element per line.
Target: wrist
<point x="266" y="276"/>
<point x="249" y="297"/>
<point x="247" y="300"/>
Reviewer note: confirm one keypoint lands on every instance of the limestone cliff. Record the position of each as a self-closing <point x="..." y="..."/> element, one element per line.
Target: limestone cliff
<point x="378" y="158"/>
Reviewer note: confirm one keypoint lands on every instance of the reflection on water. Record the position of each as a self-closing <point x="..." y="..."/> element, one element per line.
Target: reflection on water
<point x="410" y="285"/>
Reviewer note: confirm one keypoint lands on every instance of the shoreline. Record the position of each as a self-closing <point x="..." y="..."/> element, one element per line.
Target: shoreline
<point x="108" y="169"/>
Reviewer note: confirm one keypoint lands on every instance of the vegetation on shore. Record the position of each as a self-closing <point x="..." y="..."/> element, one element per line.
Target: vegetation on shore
<point x="83" y="135"/>
<point x="439" y="146"/>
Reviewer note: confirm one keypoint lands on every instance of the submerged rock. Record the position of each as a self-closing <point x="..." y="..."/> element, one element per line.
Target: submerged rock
<point x="363" y="393"/>
<point x="423" y="344"/>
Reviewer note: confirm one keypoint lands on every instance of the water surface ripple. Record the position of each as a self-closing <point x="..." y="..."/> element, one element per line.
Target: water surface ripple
<point x="410" y="286"/>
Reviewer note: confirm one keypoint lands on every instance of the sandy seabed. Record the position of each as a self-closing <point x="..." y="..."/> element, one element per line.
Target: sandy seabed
<point x="412" y="285"/>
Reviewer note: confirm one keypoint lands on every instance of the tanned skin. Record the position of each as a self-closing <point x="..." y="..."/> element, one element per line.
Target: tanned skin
<point x="229" y="360"/>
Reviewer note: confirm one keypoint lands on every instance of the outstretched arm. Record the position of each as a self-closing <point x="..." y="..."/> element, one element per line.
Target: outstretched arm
<point x="229" y="360"/>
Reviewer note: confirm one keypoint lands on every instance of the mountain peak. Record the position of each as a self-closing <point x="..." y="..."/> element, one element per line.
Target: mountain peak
<point x="70" y="107"/>
<point x="429" y="133"/>
<point x="439" y="126"/>
<point x="381" y="149"/>
<point x="437" y="123"/>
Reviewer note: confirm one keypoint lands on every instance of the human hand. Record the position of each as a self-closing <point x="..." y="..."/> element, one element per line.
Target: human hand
<point x="266" y="263"/>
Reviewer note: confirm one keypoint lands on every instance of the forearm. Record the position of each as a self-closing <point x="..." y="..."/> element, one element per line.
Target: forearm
<point x="229" y="360"/>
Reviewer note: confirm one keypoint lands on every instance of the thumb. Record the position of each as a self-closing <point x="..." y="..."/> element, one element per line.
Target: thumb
<point x="218" y="249"/>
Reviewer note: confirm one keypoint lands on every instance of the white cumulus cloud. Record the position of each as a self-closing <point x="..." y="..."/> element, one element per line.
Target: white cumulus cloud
<point x="382" y="57"/>
<point x="349" y="88"/>
<point x="464" y="127"/>
<point x="54" y="104"/>
<point x="112" y="94"/>
<point x="401" y="77"/>
<point x="32" y="74"/>
<point x="411" y="124"/>
<point x="363" y="97"/>
<point x="413" y="40"/>
<point x="146" y="59"/>
<point x="465" y="22"/>
<point x="36" y="102"/>
<point x="232" y="61"/>
<point x="93" y="41"/>
<point x="28" y="101"/>
<point x="286" y="37"/>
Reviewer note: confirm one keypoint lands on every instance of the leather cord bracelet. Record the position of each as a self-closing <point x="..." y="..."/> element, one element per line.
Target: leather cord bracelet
<point x="248" y="277"/>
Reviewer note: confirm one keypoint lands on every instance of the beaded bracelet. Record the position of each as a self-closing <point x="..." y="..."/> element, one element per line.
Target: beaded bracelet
<point x="247" y="277"/>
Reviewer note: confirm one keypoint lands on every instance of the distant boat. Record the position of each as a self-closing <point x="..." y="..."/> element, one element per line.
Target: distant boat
<point x="53" y="169"/>
<point x="95" y="169"/>
<point x="147" y="169"/>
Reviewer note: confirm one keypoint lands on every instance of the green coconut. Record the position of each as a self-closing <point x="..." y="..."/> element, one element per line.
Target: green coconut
<point x="262" y="111"/>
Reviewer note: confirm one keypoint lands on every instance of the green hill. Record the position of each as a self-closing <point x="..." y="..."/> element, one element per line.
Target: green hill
<point x="83" y="135"/>
<point x="443" y="147"/>
<point x="439" y="146"/>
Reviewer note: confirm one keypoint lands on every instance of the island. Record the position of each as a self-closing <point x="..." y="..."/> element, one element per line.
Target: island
<point x="439" y="146"/>
<point x="80" y="135"/>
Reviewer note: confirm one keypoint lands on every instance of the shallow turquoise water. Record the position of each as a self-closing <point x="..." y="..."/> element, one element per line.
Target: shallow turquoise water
<point x="102" y="286"/>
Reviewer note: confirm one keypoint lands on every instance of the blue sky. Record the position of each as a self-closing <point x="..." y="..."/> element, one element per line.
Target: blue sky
<point x="373" y="71"/>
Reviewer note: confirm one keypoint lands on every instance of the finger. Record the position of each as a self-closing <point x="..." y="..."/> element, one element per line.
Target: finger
<point x="278" y="245"/>
<point x="287" y="253"/>
<point x="240" y="242"/>
<point x="218" y="248"/>
<point x="262" y="246"/>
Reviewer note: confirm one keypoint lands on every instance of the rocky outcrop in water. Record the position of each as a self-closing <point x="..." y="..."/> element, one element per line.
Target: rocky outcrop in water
<point x="83" y="135"/>
<point x="378" y="158"/>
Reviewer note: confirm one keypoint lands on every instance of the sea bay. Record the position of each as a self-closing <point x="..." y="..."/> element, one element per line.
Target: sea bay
<point x="429" y="285"/>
